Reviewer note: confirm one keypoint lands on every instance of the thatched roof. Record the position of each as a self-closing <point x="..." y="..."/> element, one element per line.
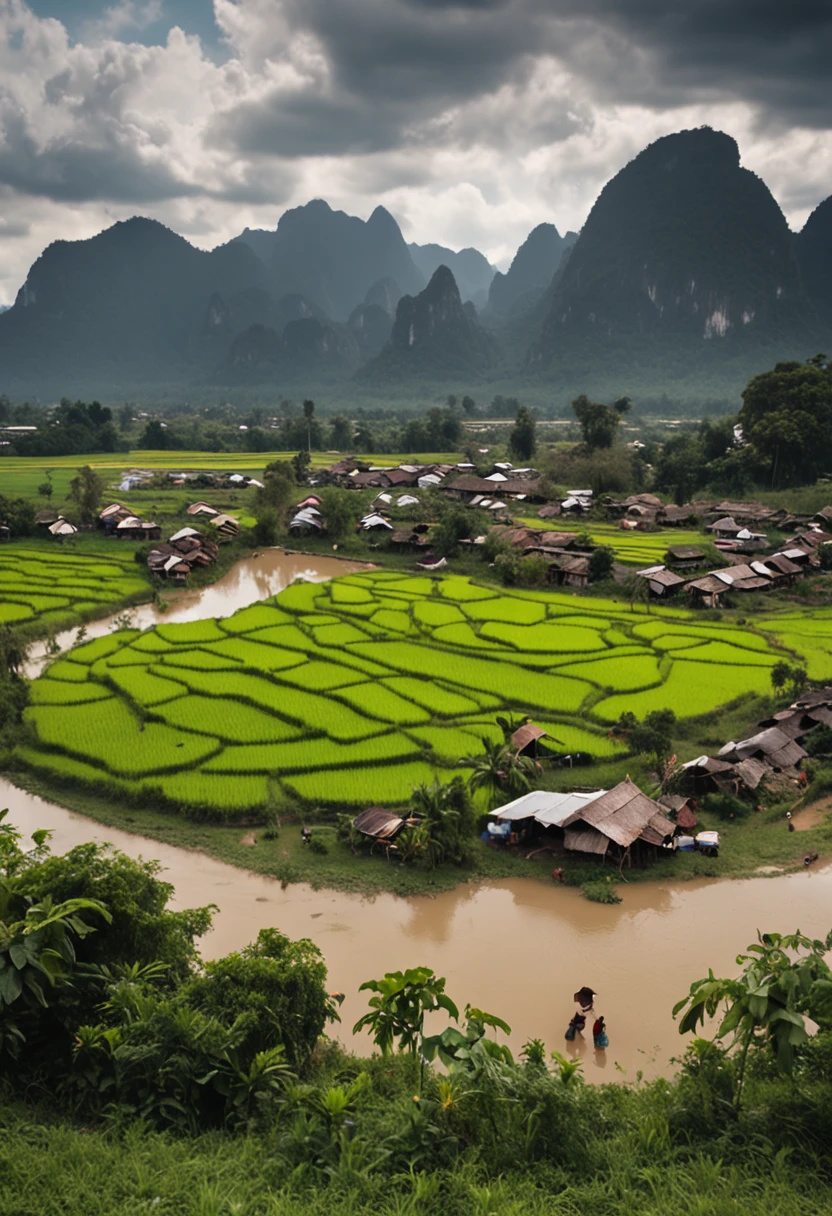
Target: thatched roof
<point x="527" y="734"/>
<point x="625" y="814"/>
<point x="585" y="840"/>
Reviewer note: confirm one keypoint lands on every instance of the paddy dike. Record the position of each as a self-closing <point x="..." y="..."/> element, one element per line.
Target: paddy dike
<point x="518" y="948"/>
<point x="251" y="579"/>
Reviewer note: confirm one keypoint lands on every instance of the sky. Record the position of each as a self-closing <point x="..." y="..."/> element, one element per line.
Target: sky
<point x="470" y="120"/>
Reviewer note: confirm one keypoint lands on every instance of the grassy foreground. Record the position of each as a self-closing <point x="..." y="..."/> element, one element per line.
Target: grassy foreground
<point x="665" y="1148"/>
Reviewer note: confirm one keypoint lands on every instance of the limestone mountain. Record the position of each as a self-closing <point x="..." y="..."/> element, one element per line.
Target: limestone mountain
<point x="529" y="274"/>
<point x="814" y="251"/>
<point x="308" y="350"/>
<point x="386" y="293"/>
<point x="472" y="271"/>
<point x="685" y="264"/>
<point x="124" y="308"/>
<point x="331" y="258"/>
<point x="435" y="336"/>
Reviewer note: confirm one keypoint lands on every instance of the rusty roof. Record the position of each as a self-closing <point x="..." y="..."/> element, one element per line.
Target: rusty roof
<point x="379" y="823"/>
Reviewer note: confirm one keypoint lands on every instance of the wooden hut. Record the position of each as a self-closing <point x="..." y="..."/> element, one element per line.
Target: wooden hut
<point x="623" y="822"/>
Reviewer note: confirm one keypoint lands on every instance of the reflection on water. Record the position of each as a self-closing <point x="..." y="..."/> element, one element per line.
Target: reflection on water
<point x="518" y="948"/>
<point x="248" y="580"/>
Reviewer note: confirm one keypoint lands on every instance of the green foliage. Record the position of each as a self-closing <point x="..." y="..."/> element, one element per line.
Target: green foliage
<point x="786" y="418"/>
<point x="600" y="563"/>
<point x="86" y="491"/>
<point x="397" y="1011"/>
<point x="273" y="991"/>
<point x="654" y="736"/>
<point x="522" y="442"/>
<point x="599" y="423"/>
<point x="601" y="893"/>
<point x="786" y="980"/>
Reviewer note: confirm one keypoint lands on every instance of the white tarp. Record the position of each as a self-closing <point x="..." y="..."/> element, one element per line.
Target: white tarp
<point x="546" y="806"/>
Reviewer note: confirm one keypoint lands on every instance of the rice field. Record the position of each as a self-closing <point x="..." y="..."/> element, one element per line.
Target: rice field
<point x="351" y="692"/>
<point x="50" y="588"/>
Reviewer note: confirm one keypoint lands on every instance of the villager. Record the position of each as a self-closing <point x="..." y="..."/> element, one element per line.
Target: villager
<point x="306" y="834"/>
<point x="599" y="1033"/>
<point x="789" y="818"/>
<point x="809" y="858"/>
<point x="577" y="1024"/>
<point x="558" y="874"/>
<point x="584" y="997"/>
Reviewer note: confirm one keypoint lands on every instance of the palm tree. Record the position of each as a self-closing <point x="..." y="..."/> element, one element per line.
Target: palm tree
<point x="500" y="769"/>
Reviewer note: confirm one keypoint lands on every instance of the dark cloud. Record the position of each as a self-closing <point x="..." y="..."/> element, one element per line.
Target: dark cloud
<point x="395" y="65"/>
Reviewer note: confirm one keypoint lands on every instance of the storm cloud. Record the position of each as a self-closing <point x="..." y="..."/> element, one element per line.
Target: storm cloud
<point x="472" y="120"/>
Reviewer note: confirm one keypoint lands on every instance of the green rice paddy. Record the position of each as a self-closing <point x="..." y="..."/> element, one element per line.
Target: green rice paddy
<point x="302" y="698"/>
<point x="50" y="588"/>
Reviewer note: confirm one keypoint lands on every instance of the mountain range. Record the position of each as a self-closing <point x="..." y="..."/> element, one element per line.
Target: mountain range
<point x="684" y="280"/>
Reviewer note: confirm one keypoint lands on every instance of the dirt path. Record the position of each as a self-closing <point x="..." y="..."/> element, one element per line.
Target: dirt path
<point x="812" y="816"/>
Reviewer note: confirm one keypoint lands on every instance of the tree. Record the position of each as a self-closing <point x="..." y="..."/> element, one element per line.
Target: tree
<point x="125" y="417"/>
<point x="600" y="563"/>
<point x="455" y="526"/>
<point x="300" y="464"/>
<point x="86" y="491"/>
<point x="655" y="736"/>
<point x="447" y="812"/>
<point x="522" y="441"/>
<point x="18" y="515"/>
<point x="154" y="437"/>
<point x="599" y="423"/>
<point x="785" y="981"/>
<point x="341" y="433"/>
<point x="469" y="406"/>
<point x="500" y="769"/>
<point x="45" y="489"/>
<point x="786" y="421"/>
<point x="279" y="486"/>
<point x="637" y="590"/>
<point x="791" y="677"/>
<point x="309" y="415"/>
<point x="339" y="509"/>
<point x="365" y="440"/>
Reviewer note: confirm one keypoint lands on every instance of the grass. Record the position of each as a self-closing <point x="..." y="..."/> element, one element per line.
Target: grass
<point x="339" y="711"/>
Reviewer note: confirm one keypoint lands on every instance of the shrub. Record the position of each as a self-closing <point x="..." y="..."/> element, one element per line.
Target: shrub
<point x="601" y="893"/>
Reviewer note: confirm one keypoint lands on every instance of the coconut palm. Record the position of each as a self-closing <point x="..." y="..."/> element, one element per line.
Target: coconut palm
<point x="500" y="769"/>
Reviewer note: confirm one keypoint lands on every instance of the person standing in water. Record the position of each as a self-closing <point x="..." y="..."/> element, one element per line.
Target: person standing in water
<point x="577" y="1024"/>
<point x="599" y="1033"/>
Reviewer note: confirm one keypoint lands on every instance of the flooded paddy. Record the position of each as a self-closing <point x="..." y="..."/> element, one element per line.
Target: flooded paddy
<point x="249" y="580"/>
<point x="516" y="948"/>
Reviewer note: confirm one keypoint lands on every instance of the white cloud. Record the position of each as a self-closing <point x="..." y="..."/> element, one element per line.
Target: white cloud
<point x="127" y="17"/>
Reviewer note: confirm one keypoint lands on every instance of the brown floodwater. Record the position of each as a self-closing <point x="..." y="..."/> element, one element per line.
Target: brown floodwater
<point x="519" y="948"/>
<point x="250" y="579"/>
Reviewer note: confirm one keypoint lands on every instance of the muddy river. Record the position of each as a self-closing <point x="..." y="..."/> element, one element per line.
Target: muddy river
<point x="518" y="948"/>
<point x="251" y="579"/>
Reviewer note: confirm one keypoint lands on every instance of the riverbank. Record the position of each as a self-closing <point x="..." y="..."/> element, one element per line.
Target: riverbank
<point x="516" y="947"/>
<point x="758" y="846"/>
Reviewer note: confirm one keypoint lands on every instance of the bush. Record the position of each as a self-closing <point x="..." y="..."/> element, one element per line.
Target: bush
<point x="316" y="845"/>
<point x="601" y="892"/>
